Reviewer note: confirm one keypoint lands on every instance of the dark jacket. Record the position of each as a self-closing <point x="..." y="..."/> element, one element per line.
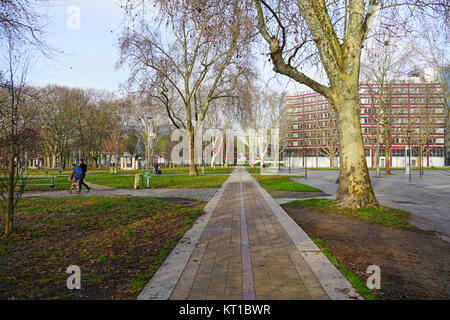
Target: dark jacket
<point x="79" y="172"/>
<point x="84" y="168"/>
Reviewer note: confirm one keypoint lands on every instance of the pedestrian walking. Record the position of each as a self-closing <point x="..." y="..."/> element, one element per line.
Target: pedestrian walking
<point x="81" y="170"/>
<point x="72" y="178"/>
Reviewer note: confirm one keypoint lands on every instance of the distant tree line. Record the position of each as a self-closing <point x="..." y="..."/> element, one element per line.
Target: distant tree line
<point x="64" y="124"/>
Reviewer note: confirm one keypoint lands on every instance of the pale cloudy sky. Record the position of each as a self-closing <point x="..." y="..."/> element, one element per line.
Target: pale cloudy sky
<point x="91" y="51"/>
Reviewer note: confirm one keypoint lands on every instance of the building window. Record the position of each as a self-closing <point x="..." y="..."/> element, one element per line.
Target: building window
<point x="398" y="152"/>
<point x="436" y="152"/>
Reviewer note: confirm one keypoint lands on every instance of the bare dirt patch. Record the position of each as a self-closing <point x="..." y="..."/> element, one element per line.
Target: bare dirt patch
<point x="415" y="264"/>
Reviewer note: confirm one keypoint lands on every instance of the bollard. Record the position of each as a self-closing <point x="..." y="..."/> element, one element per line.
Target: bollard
<point x="137" y="180"/>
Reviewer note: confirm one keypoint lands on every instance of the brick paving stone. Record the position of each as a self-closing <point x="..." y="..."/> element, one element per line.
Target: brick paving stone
<point x="215" y="268"/>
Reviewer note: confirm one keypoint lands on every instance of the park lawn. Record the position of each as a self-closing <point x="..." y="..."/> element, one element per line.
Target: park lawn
<point x="208" y="170"/>
<point x="256" y="170"/>
<point x="50" y="172"/>
<point x="118" y="243"/>
<point x="165" y="170"/>
<point x="61" y="183"/>
<point x="385" y="216"/>
<point x="283" y="183"/>
<point x="159" y="181"/>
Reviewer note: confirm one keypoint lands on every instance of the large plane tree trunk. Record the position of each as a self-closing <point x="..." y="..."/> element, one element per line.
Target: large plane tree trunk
<point x="355" y="189"/>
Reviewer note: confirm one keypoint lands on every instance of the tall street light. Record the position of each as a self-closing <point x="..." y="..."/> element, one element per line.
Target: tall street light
<point x="117" y="154"/>
<point x="421" y="148"/>
<point x="409" y="147"/>
<point x="289" y="161"/>
<point x="306" y="163"/>
<point x="148" y="123"/>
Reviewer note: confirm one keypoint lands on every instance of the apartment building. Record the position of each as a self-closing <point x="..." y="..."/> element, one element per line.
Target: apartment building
<point x="407" y="105"/>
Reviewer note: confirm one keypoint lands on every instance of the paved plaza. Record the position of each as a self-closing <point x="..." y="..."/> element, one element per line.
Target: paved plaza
<point x="427" y="199"/>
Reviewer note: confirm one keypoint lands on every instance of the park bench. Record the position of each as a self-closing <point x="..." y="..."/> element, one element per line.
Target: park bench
<point x="22" y="185"/>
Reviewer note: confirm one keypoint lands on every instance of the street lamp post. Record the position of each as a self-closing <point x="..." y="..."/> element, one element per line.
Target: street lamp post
<point x="117" y="147"/>
<point x="148" y="123"/>
<point x="289" y="161"/>
<point x="306" y="164"/>
<point x="421" y="148"/>
<point x="409" y="147"/>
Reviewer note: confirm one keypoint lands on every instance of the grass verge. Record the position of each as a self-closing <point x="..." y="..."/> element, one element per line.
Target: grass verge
<point x="159" y="181"/>
<point x="283" y="183"/>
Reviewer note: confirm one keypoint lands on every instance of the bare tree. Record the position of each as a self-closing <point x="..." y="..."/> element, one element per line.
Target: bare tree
<point x="17" y="135"/>
<point x="23" y="22"/>
<point x="433" y="48"/>
<point x="57" y="121"/>
<point x="384" y="62"/>
<point x="424" y="120"/>
<point x="148" y="113"/>
<point x="219" y="118"/>
<point x="325" y="134"/>
<point x="197" y="49"/>
<point x="333" y="34"/>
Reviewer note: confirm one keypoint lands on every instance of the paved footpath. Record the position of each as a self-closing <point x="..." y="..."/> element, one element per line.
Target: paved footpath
<point x="246" y="247"/>
<point x="203" y="194"/>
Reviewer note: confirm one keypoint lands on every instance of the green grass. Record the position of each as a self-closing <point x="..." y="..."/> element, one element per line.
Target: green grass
<point x="123" y="181"/>
<point x="95" y="233"/>
<point x="165" y="170"/>
<point x="61" y="183"/>
<point x="356" y="281"/>
<point x="137" y="284"/>
<point x="50" y="172"/>
<point x="256" y="170"/>
<point x="208" y="170"/>
<point x="159" y="181"/>
<point x="283" y="183"/>
<point x="385" y="216"/>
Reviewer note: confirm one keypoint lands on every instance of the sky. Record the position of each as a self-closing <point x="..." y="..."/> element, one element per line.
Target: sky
<point x="90" y="49"/>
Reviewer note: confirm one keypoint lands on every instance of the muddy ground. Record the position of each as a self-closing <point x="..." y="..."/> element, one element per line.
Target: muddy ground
<point x="415" y="264"/>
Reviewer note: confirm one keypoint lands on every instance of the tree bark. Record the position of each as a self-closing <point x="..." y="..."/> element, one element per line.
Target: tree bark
<point x="10" y="198"/>
<point x="377" y="161"/>
<point x="387" y="147"/>
<point x="53" y="160"/>
<point x="377" y="150"/>
<point x="192" y="167"/>
<point x="355" y="189"/>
